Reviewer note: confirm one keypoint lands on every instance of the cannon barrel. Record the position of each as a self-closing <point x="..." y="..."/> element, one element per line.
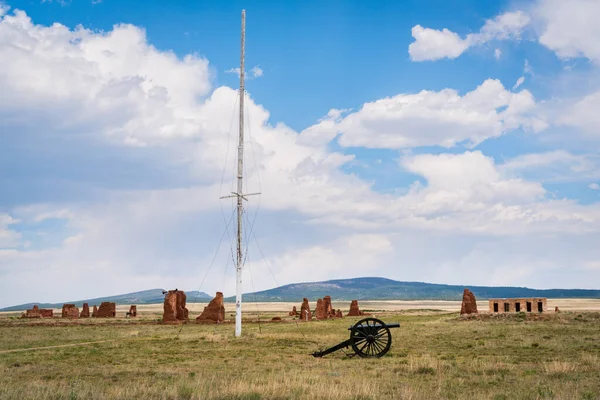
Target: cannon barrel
<point x="395" y="325"/>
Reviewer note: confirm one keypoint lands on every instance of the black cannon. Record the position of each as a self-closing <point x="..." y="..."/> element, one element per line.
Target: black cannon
<point x="369" y="337"/>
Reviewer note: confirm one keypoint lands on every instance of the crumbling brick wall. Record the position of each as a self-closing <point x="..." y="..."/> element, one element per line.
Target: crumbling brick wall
<point x="469" y="303"/>
<point x="36" y="312"/>
<point x="70" y="311"/>
<point x="354" y="310"/>
<point x="305" y="314"/>
<point x="85" y="312"/>
<point x="534" y="304"/>
<point x="107" y="310"/>
<point x="214" y="311"/>
<point x="174" y="307"/>
<point x="324" y="308"/>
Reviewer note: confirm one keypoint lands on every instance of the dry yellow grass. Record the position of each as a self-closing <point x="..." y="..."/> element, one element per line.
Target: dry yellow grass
<point x="434" y="355"/>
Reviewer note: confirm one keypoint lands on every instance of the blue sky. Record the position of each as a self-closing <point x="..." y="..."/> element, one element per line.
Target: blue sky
<point x="464" y="128"/>
<point x="338" y="54"/>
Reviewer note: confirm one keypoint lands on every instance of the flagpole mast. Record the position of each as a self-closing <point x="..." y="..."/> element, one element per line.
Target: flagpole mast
<point x="240" y="170"/>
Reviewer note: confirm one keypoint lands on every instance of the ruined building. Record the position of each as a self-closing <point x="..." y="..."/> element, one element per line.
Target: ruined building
<point x="469" y="304"/>
<point x="106" y="310"/>
<point x="132" y="311"/>
<point x="214" y="311"/>
<point x="37" y="312"/>
<point x="305" y="314"/>
<point x="324" y="309"/>
<point x="354" y="310"/>
<point x="70" y="311"/>
<point x="85" y="312"/>
<point x="174" y="307"/>
<point x="518" y="305"/>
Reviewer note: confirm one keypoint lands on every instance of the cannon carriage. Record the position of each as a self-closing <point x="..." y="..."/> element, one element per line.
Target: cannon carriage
<point x="369" y="338"/>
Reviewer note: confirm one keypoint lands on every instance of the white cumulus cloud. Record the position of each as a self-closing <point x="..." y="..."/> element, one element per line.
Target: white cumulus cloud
<point x="428" y="118"/>
<point x="433" y="44"/>
<point x="83" y="88"/>
<point x="569" y="28"/>
<point x="114" y="82"/>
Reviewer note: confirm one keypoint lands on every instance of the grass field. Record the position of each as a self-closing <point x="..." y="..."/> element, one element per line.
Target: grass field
<point x="435" y="354"/>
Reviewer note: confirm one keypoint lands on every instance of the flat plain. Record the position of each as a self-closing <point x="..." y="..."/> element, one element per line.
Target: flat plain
<point x="435" y="354"/>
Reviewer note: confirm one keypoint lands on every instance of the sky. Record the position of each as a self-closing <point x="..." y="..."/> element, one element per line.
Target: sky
<point x="437" y="141"/>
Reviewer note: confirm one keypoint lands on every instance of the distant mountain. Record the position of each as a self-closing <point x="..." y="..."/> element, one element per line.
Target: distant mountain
<point x="344" y="289"/>
<point x="152" y="296"/>
<point x="387" y="289"/>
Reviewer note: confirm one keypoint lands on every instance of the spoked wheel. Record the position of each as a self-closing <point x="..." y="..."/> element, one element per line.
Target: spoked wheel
<point x="370" y="338"/>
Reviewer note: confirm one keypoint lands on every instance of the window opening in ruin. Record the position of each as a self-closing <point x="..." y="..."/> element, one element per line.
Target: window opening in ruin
<point x="540" y="306"/>
<point x="528" y="306"/>
<point x="495" y="307"/>
<point x="506" y="307"/>
<point x="518" y="307"/>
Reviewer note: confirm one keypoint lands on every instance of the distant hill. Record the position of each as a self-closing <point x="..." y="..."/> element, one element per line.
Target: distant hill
<point x="387" y="289"/>
<point x="152" y="296"/>
<point x="344" y="289"/>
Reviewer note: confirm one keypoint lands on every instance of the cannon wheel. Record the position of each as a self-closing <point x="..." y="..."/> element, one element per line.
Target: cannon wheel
<point x="370" y="337"/>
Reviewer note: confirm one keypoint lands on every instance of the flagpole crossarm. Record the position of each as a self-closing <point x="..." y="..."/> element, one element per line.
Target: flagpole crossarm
<point x="243" y="196"/>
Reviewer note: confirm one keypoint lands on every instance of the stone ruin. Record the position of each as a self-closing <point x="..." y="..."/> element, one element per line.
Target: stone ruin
<point x="106" y="310"/>
<point x="305" y="314"/>
<point x="214" y="311"/>
<point x="320" y="312"/>
<point x="95" y="311"/>
<point x="46" y="312"/>
<point x="469" y="304"/>
<point x="324" y="309"/>
<point x="174" y="307"/>
<point x="37" y="312"/>
<point x="70" y="311"/>
<point x="132" y="311"/>
<point x="293" y="313"/>
<point x="533" y="304"/>
<point x="354" y="310"/>
<point x="85" y="312"/>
